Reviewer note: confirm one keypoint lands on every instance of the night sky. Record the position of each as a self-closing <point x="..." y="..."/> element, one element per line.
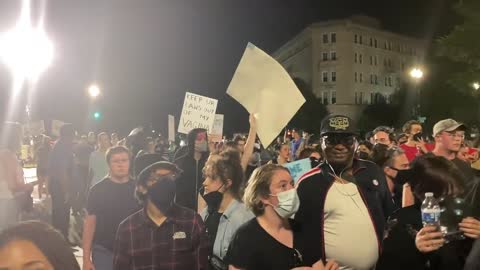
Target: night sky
<point x="146" y="54"/>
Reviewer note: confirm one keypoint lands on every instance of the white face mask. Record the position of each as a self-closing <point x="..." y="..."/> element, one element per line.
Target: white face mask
<point x="288" y="203"/>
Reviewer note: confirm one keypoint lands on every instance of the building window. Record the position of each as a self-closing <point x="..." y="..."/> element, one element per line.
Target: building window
<point x="333" y="56"/>
<point x="389" y="46"/>
<point x="325" y="38"/>
<point x="385" y="47"/>
<point x="356" y="76"/>
<point x="371" y="42"/>
<point x="360" y="100"/>
<point x="334" y="76"/>
<point x="325" y="97"/>
<point x="371" y="78"/>
<point x="333" y="37"/>
<point x="375" y="60"/>
<point x="376" y="80"/>
<point x="325" y="56"/>
<point x="375" y="43"/>
<point x="361" y="39"/>
<point x="356" y="97"/>
<point x="334" y="97"/>
<point x="361" y="77"/>
<point x="355" y="39"/>
<point x="389" y="81"/>
<point x="386" y="81"/>
<point x="372" y="98"/>
<point x="371" y="60"/>
<point x="360" y="59"/>
<point x="356" y="57"/>
<point x="325" y="76"/>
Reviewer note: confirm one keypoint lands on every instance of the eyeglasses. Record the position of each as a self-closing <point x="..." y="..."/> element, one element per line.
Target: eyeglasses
<point x="454" y="134"/>
<point x="332" y="140"/>
<point x="158" y="178"/>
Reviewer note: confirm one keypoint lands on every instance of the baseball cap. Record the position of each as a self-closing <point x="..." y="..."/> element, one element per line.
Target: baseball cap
<point x="337" y="124"/>
<point x="447" y="125"/>
<point x="145" y="173"/>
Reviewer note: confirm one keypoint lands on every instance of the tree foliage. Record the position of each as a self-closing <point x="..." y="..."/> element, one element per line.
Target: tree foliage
<point x="461" y="46"/>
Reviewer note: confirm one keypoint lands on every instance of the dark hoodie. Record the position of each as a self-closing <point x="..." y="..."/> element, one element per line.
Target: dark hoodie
<point x="191" y="180"/>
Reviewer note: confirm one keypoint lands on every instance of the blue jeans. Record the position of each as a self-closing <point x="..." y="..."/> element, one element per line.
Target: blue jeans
<point x="102" y="258"/>
<point x="8" y="213"/>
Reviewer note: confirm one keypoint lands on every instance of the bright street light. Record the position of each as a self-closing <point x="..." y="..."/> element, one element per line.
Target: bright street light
<point x="416" y="73"/>
<point x="94" y="91"/>
<point x="476" y="85"/>
<point x="26" y="49"/>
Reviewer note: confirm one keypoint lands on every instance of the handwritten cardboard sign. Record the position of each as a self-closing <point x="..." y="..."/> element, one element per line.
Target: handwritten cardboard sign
<point x="265" y="89"/>
<point x="198" y="112"/>
<point x="34" y="128"/>
<point x="216" y="133"/>
<point x="56" y="126"/>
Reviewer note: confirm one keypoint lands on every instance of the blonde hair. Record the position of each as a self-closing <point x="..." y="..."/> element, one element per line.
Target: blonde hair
<point x="258" y="187"/>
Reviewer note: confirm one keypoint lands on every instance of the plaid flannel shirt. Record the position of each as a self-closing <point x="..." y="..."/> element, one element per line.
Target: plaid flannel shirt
<point x="179" y="243"/>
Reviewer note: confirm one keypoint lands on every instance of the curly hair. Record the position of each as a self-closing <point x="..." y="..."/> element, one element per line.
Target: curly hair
<point x="226" y="165"/>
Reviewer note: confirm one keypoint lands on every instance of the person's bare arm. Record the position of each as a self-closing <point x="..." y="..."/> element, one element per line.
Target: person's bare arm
<point x="89" y="226"/>
<point x="407" y="196"/>
<point x="250" y="143"/>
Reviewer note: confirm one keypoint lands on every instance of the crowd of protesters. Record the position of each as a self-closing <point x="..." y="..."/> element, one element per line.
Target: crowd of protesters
<point x="151" y="204"/>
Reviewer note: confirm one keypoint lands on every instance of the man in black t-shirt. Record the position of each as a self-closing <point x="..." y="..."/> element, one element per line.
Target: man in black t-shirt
<point x="109" y="202"/>
<point x="449" y="136"/>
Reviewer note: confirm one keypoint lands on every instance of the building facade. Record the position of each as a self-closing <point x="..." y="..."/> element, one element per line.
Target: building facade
<point x="351" y="63"/>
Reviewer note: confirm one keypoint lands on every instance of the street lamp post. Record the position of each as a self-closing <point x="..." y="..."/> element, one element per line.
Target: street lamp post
<point x="93" y="91"/>
<point x="417" y="74"/>
<point x="26" y="51"/>
<point x="476" y="85"/>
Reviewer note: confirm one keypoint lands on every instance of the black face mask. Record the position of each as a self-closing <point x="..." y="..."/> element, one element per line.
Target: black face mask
<point x="363" y="155"/>
<point x="162" y="194"/>
<point x="213" y="199"/>
<point x="403" y="176"/>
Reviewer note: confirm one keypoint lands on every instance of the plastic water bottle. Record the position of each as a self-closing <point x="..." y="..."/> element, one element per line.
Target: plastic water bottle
<point x="430" y="211"/>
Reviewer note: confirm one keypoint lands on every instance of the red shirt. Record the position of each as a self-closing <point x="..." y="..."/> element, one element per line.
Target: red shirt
<point x="412" y="151"/>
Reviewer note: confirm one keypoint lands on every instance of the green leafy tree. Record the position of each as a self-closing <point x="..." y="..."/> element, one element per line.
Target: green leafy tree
<point x="461" y="46"/>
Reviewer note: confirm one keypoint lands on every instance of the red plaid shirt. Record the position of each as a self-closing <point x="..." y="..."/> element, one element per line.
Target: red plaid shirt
<point x="179" y="243"/>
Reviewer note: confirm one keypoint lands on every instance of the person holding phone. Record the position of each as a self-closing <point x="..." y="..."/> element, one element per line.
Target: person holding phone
<point x="415" y="145"/>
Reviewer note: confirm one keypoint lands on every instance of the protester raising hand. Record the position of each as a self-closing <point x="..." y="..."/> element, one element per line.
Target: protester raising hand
<point x="429" y="239"/>
<point x="250" y="143"/>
